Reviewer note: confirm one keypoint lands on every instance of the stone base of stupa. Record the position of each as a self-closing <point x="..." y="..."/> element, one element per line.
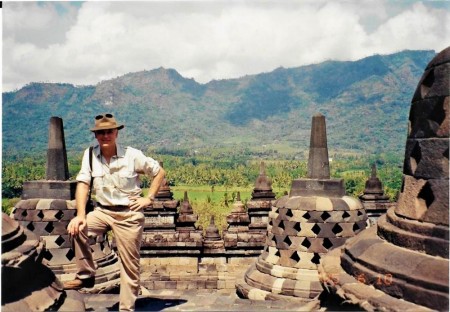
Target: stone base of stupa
<point x="48" y="219"/>
<point x="378" y="275"/>
<point x="265" y="281"/>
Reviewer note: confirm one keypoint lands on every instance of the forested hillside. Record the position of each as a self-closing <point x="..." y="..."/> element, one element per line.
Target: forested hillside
<point x="366" y="104"/>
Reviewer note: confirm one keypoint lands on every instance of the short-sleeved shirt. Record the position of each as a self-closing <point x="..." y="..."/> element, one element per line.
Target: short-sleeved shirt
<point x="114" y="182"/>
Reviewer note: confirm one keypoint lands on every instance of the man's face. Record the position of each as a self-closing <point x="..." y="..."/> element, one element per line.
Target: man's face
<point x="106" y="138"/>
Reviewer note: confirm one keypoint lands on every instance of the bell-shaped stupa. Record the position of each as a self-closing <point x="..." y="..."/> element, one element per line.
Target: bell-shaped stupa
<point x="27" y="284"/>
<point x="303" y="226"/>
<point x="402" y="263"/>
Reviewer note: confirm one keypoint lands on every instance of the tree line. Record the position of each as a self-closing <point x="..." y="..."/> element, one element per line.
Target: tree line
<point x="220" y="170"/>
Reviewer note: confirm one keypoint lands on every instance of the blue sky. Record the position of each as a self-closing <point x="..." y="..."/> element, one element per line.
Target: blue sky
<point x="86" y="42"/>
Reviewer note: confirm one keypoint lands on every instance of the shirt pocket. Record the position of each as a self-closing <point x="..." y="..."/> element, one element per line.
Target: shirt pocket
<point x="98" y="179"/>
<point x="127" y="180"/>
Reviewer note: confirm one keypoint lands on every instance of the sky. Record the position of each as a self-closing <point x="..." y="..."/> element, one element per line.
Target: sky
<point x="84" y="43"/>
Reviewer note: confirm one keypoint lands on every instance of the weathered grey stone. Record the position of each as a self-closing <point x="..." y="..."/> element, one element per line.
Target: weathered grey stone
<point x="302" y="227"/>
<point x="402" y="262"/>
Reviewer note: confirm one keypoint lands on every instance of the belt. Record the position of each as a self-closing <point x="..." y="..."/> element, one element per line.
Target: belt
<point x="113" y="207"/>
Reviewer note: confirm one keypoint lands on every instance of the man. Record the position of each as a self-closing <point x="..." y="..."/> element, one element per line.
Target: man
<point x="115" y="172"/>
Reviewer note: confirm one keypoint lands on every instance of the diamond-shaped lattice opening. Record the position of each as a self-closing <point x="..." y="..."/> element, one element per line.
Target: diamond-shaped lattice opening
<point x="345" y="215"/>
<point x="47" y="255"/>
<point x="327" y="243"/>
<point x="278" y="253"/>
<point x="295" y="256"/>
<point x="306" y="243"/>
<point x="289" y="213"/>
<point x="297" y="227"/>
<point x="24" y="213"/>
<point x="281" y="225"/>
<point x="356" y="227"/>
<point x="70" y="254"/>
<point x="49" y="227"/>
<point x="337" y="229"/>
<point x="270" y="221"/>
<point x="307" y="216"/>
<point x="416" y="156"/>
<point x="316" y="258"/>
<point x="445" y="154"/>
<point x="316" y="229"/>
<point x="59" y="215"/>
<point x="360" y="213"/>
<point x="41" y="214"/>
<point x="427" y="83"/>
<point x="325" y="216"/>
<point x="30" y="226"/>
<point x="60" y="240"/>
<point x="426" y="194"/>
<point x="438" y="115"/>
<point x="288" y="241"/>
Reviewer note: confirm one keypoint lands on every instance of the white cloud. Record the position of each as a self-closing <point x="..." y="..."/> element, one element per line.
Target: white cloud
<point x="419" y="27"/>
<point x="205" y="40"/>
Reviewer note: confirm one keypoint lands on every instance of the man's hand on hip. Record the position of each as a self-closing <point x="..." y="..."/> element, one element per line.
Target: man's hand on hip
<point x="138" y="202"/>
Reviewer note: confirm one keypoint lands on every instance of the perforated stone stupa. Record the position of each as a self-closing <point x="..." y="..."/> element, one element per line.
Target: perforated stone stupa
<point x="303" y="226"/>
<point x="46" y="209"/>
<point x="27" y="284"/>
<point x="402" y="263"/>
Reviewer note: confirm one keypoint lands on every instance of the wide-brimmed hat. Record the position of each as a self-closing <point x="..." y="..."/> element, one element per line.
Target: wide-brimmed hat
<point x="105" y="122"/>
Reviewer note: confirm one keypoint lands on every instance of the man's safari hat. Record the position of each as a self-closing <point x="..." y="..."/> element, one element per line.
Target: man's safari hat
<point x="105" y="122"/>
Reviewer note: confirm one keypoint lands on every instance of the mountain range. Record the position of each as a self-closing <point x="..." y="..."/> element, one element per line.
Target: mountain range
<point x="366" y="104"/>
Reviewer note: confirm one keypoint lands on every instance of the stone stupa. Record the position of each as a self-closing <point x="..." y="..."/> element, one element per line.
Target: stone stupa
<point x="27" y="284"/>
<point x="402" y="263"/>
<point x="315" y="217"/>
<point x="373" y="199"/>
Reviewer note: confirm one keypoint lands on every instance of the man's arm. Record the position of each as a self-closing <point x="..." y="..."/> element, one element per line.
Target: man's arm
<point x="78" y="223"/>
<point x="137" y="202"/>
<point x="156" y="184"/>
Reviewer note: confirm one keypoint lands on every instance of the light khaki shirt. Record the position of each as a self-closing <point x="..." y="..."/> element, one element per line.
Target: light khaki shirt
<point x="114" y="182"/>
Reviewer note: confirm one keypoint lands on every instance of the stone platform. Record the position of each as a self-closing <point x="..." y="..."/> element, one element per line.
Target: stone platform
<point x="204" y="300"/>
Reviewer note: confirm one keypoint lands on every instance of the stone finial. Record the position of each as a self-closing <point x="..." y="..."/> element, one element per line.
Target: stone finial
<point x="263" y="186"/>
<point x="212" y="232"/>
<point x="374" y="171"/>
<point x="186" y="218"/>
<point x="186" y="207"/>
<point x="263" y="183"/>
<point x="238" y="214"/>
<point x="373" y="184"/>
<point x="164" y="192"/>
<point x="318" y="164"/>
<point x="238" y="206"/>
<point x="57" y="184"/>
<point x="57" y="167"/>
<point x="318" y="181"/>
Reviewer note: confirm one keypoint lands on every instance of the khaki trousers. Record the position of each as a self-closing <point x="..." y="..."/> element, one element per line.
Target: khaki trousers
<point x="127" y="227"/>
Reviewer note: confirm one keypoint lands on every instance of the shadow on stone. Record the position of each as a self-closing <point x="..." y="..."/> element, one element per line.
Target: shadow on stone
<point x="150" y="304"/>
<point x="332" y="302"/>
